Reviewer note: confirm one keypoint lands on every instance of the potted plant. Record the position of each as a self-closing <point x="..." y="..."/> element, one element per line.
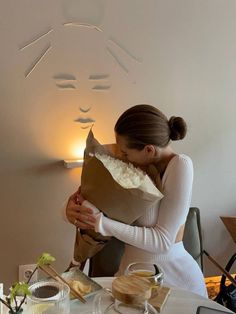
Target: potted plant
<point x="22" y="288"/>
<point x="17" y="289"/>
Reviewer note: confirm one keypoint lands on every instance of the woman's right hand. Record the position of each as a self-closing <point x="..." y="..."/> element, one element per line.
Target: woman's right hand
<point x="77" y="214"/>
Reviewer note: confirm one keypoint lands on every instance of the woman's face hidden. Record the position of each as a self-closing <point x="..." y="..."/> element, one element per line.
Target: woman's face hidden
<point x="137" y="157"/>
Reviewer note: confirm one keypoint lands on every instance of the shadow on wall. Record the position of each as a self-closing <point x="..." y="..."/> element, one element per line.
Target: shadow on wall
<point x="49" y="168"/>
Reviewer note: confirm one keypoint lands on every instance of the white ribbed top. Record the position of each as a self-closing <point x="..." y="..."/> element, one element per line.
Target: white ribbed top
<point x="155" y="232"/>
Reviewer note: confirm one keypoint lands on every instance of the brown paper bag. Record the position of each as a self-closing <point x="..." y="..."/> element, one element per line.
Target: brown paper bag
<point x="99" y="187"/>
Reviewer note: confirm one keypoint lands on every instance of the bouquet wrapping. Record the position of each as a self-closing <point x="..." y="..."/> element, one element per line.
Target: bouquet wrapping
<point x="118" y="189"/>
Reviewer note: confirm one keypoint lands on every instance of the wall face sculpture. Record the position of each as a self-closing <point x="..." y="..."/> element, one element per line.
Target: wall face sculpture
<point x="81" y="17"/>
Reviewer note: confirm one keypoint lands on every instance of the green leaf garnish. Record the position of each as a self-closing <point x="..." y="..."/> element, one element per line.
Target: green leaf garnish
<point x="45" y="259"/>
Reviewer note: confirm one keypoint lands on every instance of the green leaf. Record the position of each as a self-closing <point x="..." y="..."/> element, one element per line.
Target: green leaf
<point x="19" y="289"/>
<point x="45" y="259"/>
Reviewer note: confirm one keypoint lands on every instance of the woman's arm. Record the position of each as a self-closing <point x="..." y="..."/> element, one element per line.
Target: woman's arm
<point x="173" y="210"/>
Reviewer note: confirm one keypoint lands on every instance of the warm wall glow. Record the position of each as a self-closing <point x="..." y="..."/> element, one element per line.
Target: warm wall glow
<point x="78" y="152"/>
<point x="77" y="144"/>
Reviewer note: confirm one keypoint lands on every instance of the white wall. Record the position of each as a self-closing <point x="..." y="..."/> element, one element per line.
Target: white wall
<point x="187" y="66"/>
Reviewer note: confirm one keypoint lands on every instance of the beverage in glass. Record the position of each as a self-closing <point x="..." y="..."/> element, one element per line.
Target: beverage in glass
<point x="48" y="297"/>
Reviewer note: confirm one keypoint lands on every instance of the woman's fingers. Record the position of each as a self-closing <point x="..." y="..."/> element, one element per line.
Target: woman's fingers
<point x="85" y="210"/>
<point x="84" y="223"/>
<point x="80" y="216"/>
<point x="83" y="226"/>
<point x="81" y="221"/>
<point x="72" y="209"/>
<point x="88" y="219"/>
<point x="72" y="216"/>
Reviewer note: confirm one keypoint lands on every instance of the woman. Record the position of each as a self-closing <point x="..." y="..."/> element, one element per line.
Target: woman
<point x="143" y="134"/>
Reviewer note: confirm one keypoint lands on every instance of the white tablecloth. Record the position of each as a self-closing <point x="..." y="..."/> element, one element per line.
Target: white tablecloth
<point x="179" y="301"/>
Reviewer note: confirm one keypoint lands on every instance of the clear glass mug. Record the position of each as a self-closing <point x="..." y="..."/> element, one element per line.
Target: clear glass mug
<point x="150" y="271"/>
<point x="48" y="297"/>
<point x="105" y="303"/>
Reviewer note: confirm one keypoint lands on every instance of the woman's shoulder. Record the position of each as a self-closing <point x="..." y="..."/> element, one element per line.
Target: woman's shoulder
<point x="180" y="161"/>
<point x="182" y="158"/>
<point x="180" y="166"/>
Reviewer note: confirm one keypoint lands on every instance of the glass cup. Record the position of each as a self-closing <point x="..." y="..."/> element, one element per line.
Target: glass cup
<point x="150" y="271"/>
<point x="105" y="303"/>
<point x="48" y="297"/>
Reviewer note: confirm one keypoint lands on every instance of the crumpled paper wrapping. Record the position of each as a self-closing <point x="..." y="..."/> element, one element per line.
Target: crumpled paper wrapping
<point x="116" y="202"/>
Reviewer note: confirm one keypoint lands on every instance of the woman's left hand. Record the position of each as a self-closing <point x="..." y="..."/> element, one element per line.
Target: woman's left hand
<point x="79" y="215"/>
<point x="85" y="218"/>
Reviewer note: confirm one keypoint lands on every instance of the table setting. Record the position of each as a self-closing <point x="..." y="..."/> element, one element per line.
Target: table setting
<point x="139" y="291"/>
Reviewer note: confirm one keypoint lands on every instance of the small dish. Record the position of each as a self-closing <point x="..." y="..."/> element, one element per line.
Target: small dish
<point x="81" y="282"/>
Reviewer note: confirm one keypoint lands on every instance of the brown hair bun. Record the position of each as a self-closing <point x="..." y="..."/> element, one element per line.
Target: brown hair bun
<point x="178" y="128"/>
<point x="146" y="125"/>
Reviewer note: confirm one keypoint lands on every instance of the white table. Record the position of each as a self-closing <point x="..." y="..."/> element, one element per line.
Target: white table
<point x="179" y="301"/>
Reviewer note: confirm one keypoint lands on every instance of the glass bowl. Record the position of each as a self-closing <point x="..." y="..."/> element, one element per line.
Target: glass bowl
<point x="48" y="297"/>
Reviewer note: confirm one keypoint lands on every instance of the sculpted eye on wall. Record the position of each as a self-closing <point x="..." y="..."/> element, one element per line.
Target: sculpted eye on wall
<point x="100" y="85"/>
<point x="66" y="86"/>
<point x="65" y="81"/>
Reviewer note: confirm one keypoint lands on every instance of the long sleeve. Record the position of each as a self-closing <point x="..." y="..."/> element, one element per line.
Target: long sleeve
<point x="172" y="211"/>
